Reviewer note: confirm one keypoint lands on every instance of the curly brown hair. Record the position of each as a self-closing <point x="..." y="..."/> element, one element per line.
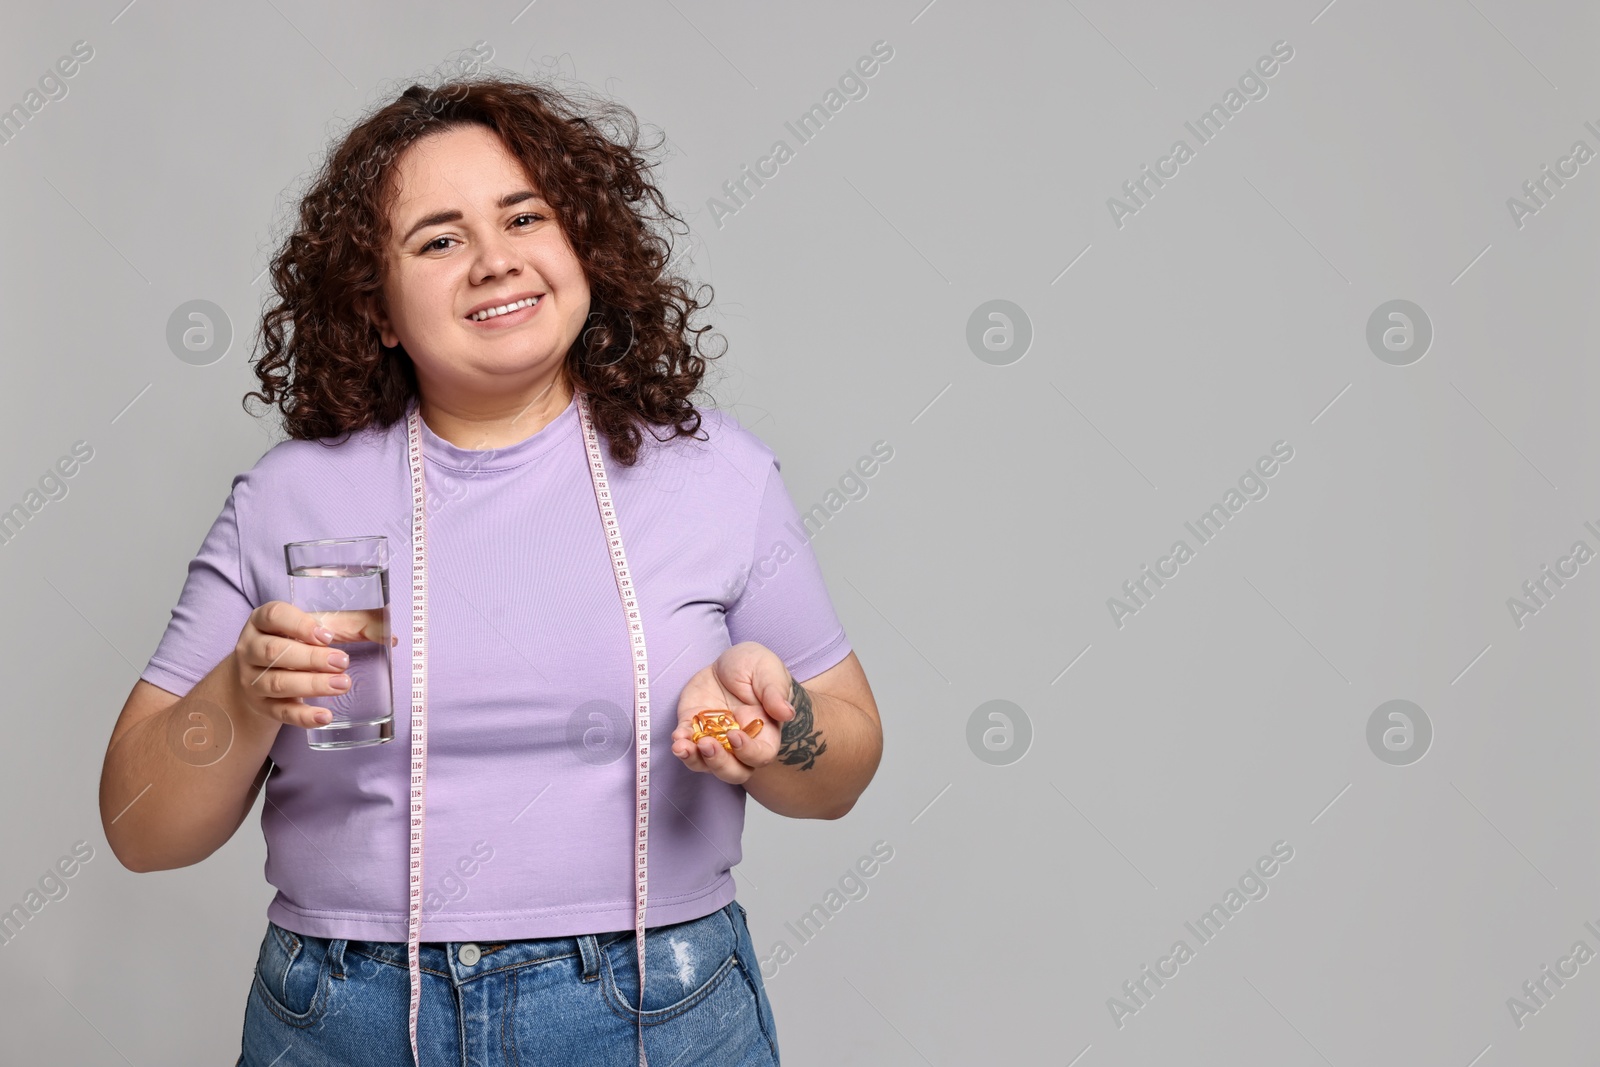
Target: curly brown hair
<point x="639" y="358"/>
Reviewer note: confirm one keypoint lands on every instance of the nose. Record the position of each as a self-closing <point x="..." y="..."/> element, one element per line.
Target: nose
<point x="497" y="255"/>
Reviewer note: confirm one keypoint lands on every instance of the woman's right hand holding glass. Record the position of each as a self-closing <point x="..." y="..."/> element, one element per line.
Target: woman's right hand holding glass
<point x="282" y="657"/>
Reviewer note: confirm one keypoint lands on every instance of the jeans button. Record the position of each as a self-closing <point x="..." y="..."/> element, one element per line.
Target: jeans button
<point x="469" y="955"/>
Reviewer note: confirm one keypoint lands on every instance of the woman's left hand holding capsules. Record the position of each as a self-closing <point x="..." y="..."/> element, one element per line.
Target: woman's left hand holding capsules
<point x="749" y="682"/>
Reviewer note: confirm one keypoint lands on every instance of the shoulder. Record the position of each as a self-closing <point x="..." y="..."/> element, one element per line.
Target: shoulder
<point x="722" y="443"/>
<point x="308" y="465"/>
<point x="725" y="429"/>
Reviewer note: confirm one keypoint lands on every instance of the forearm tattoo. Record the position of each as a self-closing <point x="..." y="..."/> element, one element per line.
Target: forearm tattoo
<point x="801" y="742"/>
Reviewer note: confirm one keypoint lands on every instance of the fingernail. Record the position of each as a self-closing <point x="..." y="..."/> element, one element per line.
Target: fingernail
<point x="339" y="660"/>
<point x="339" y="682"/>
<point x="324" y="635"/>
<point x="323" y="717"/>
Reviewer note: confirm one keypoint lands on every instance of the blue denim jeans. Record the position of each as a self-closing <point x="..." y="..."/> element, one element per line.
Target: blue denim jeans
<point x="317" y="1002"/>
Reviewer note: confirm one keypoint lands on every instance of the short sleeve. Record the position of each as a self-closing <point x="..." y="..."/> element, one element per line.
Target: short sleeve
<point x="784" y="603"/>
<point x="211" y="610"/>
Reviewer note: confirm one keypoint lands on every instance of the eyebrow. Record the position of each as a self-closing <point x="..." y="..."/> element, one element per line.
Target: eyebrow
<point x="438" y="218"/>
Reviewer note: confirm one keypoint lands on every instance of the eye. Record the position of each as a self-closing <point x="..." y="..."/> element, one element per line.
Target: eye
<point x="532" y="217"/>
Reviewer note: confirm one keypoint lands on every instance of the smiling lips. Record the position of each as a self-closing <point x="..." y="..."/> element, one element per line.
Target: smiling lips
<point x="502" y="310"/>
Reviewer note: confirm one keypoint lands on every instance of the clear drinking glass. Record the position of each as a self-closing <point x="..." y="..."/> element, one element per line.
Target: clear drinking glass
<point x="344" y="582"/>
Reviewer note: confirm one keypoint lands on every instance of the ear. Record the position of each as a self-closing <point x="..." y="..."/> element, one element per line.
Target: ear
<point x="371" y="308"/>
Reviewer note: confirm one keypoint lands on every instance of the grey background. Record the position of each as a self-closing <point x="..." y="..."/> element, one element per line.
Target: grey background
<point x="1229" y="313"/>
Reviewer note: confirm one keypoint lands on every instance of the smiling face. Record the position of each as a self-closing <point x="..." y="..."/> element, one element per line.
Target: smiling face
<point x="470" y="232"/>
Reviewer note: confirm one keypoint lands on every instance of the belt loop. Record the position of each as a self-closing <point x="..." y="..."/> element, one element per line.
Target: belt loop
<point x="589" y="949"/>
<point x="336" y="957"/>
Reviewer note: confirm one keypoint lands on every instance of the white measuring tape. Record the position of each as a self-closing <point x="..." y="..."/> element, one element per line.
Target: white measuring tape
<point x="419" y="692"/>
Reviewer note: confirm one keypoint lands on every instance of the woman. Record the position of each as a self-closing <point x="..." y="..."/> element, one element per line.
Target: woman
<point x="476" y="280"/>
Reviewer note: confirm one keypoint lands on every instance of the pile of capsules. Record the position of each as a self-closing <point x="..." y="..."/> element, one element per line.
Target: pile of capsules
<point x="717" y="724"/>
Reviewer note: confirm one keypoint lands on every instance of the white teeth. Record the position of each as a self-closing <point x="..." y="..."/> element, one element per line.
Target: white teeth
<point x="504" y="309"/>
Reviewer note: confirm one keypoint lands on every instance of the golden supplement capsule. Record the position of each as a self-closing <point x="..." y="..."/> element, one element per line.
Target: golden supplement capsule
<point x="716" y="724"/>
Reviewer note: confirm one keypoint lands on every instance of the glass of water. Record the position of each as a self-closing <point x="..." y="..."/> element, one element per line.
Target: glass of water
<point x="344" y="582"/>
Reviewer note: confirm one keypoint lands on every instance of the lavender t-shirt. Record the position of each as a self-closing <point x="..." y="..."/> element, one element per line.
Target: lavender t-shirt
<point x="530" y="701"/>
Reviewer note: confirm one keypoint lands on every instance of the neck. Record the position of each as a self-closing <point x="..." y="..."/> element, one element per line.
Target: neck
<point x="495" y="420"/>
